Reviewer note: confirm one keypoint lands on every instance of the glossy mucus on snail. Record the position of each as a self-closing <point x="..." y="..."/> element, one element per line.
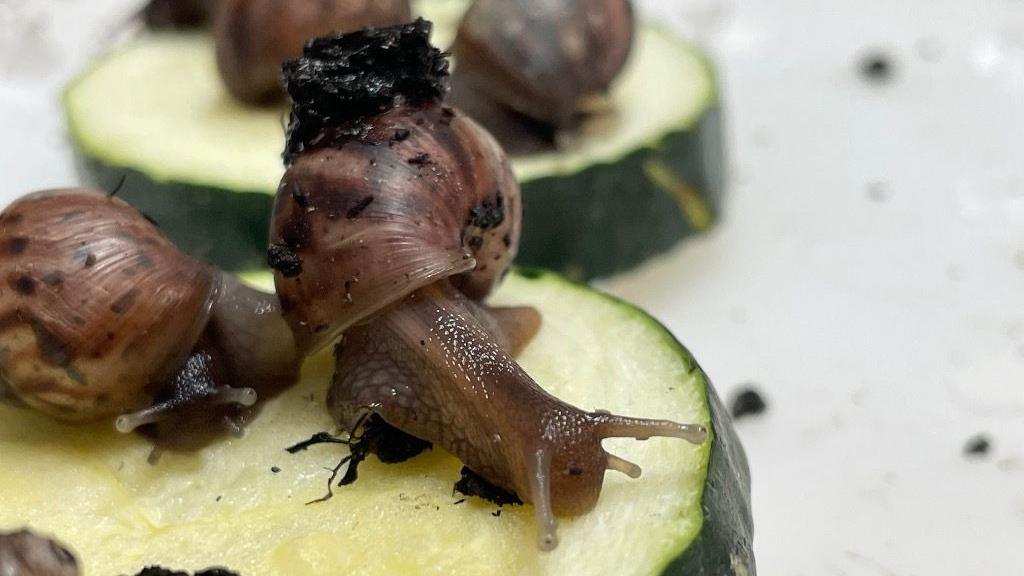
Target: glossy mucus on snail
<point x="395" y="218"/>
<point x="101" y="317"/>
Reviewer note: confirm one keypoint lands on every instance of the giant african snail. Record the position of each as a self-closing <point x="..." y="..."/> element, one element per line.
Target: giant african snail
<point x="102" y="317"/>
<point x="526" y="68"/>
<point x="395" y="217"/>
<point x="254" y="37"/>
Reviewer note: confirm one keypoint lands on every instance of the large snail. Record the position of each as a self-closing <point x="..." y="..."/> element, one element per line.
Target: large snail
<point x="255" y="37"/>
<point x="545" y="60"/>
<point x="102" y="317"/>
<point x="395" y="217"/>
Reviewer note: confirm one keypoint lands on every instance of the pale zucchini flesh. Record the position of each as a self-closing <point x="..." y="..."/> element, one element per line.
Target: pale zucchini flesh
<point x="225" y="506"/>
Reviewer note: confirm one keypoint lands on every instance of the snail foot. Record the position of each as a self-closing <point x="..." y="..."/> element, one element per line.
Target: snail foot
<point x="192" y="391"/>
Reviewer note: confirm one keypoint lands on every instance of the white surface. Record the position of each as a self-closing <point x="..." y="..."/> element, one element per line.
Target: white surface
<point x="868" y="276"/>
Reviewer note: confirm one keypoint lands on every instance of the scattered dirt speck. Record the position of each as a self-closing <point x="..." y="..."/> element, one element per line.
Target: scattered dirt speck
<point x="747" y="402"/>
<point x="977" y="446"/>
<point x="877" y="67"/>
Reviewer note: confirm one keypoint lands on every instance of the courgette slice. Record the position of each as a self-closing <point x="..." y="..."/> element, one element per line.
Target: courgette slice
<point x="205" y="167"/>
<point x="689" y="512"/>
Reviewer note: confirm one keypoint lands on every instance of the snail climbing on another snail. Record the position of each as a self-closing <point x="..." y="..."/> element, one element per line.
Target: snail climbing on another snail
<point x="527" y="68"/>
<point x="395" y="217"/>
<point x="102" y="317"/>
<point x="255" y="37"/>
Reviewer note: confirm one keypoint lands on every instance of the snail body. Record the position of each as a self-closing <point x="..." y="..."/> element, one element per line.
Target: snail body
<point x="102" y="317"/>
<point x="538" y="58"/>
<point x="394" y="219"/>
<point x="254" y="37"/>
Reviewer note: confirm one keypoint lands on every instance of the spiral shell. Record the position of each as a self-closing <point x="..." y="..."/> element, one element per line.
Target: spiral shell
<point x="254" y="37"/>
<point x="97" y="307"/>
<point x="542" y="57"/>
<point x="367" y="224"/>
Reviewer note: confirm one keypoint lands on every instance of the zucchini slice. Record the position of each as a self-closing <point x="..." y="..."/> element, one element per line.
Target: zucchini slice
<point x="226" y="506"/>
<point x="205" y="167"/>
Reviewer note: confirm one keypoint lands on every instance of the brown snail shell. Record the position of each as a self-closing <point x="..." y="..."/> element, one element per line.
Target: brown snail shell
<point x="421" y="193"/>
<point x="92" y="311"/>
<point x="543" y="58"/>
<point x="254" y="37"/>
<point x="178" y="14"/>
<point x="101" y="316"/>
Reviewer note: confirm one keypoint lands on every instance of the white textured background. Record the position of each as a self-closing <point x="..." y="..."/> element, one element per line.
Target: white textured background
<point x="868" y="275"/>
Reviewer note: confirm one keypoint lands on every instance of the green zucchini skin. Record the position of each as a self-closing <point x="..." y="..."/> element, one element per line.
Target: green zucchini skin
<point x="225" y="227"/>
<point x="602" y="220"/>
<point x="724" y="546"/>
<point x="608" y="218"/>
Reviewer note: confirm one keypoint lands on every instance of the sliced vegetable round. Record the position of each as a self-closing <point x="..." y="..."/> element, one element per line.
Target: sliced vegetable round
<point x="631" y="184"/>
<point x="241" y="503"/>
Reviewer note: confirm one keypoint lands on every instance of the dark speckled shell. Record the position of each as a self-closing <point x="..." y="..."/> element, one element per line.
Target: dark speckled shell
<point x="96" y="305"/>
<point x="422" y="194"/>
<point x="541" y="57"/>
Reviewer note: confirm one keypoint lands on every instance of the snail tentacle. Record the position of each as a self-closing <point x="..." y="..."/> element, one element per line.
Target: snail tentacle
<point x="622" y="465"/>
<point x="538" y="467"/>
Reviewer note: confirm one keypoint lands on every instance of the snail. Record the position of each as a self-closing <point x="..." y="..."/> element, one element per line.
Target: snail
<point x="395" y="217"/>
<point x="255" y="37"/>
<point x="547" y="61"/>
<point x="102" y="317"/>
<point x="177" y="14"/>
<point x="24" y="553"/>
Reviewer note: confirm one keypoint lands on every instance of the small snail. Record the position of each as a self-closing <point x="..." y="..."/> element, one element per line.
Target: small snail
<point x="254" y="37"/>
<point x="101" y="316"/>
<point x="395" y="217"/>
<point x="543" y="59"/>
<point x="177" y="14"/>
<point x="24" y="553"/>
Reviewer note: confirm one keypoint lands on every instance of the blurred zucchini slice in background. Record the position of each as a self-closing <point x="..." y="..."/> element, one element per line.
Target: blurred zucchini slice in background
<point x="629" y="185"/>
